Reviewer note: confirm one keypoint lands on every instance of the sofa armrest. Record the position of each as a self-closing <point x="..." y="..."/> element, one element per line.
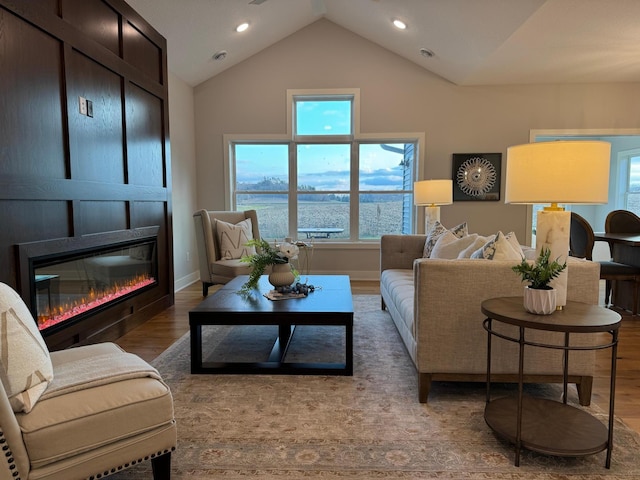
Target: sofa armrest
<point x="399" y="251"/>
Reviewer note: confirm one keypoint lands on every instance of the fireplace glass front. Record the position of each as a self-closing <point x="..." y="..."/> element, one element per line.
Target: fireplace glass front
<point x="69" y="288"/>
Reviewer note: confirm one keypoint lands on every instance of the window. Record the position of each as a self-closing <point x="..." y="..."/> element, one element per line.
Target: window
<point x="632" y="200"/>
<point x="323" y="181"/>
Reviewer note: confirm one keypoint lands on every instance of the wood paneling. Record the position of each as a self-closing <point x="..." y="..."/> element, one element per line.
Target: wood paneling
<point x="97" y="20"/>
<point x="140" y="51"/>
<point x="31" y="116"/>
<point x="96" y="143"/>
<point x="96" y="217"/>
<point x="145" y="142"/>
<point x="67" y="175"/>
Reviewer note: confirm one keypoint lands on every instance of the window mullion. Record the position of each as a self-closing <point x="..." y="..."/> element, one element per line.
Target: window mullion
<point x="293" y="190"/>
<point x="354" y="196"/>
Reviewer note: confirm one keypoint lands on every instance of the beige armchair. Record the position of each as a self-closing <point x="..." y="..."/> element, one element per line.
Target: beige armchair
<point x="81" y="413"/>
<point x="214" y="268"/>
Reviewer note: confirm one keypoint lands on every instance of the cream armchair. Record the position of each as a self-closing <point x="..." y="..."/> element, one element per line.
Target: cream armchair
<point x="81" y="413"/>
<point x="214" y="268"/>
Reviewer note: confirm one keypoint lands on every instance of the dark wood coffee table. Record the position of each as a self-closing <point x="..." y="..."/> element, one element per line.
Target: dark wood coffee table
<point x="331" y="305"/>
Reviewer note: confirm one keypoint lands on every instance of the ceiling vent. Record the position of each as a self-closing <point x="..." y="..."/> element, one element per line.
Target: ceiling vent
<point x="221" y="55"/>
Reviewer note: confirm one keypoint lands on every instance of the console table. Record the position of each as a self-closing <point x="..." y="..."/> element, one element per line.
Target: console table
<point x="542" y="425"/>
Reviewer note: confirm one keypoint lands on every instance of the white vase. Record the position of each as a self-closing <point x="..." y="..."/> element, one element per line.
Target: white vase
<point x="540" y="302"/>
<point x="281" y="275"/>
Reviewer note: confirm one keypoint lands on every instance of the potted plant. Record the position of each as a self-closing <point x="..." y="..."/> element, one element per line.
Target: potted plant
<point x="539" y="296"/>
<point x="276" y="256"/>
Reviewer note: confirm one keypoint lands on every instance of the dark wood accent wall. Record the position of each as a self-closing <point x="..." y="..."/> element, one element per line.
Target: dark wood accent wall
<point x="68" y="175"/>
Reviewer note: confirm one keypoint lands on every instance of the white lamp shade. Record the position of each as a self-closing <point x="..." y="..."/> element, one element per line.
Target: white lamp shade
<point x="433" y="192"/>
<point x="565" y="172"/>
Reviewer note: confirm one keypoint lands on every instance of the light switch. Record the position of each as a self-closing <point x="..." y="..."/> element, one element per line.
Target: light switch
<point x="83" y="105"/>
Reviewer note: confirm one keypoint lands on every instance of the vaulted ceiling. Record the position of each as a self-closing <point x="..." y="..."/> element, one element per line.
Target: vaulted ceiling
<point x="473" y="42"/>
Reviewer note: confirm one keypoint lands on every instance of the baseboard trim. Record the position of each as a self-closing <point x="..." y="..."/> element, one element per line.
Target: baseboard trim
<point x="184" y="282"/>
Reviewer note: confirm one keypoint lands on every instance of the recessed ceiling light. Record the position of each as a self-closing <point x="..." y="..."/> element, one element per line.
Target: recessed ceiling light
<point x="399" y="24"/>
<point x="242" y="27"/>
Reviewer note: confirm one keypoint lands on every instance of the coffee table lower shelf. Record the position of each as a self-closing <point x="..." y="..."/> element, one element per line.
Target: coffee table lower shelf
<point x="275" y="364"/>
<point x="548" y="427"/>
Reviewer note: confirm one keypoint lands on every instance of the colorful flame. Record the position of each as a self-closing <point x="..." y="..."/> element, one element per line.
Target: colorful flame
<point x="93" y="299"/>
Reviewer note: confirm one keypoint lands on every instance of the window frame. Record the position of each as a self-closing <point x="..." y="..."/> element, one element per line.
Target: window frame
<point x="625" y="157"/>
<point x="355" y="139"/>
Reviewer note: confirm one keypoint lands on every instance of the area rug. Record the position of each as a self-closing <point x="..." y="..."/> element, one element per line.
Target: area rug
<point x="367" y="426"/>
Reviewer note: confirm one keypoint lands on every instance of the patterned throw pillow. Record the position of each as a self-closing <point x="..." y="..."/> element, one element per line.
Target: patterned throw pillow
<point x="461" y="230"/>
<point x="24" y="357"/>
<point x="436" y="231"/>
<point x="232" y="239"/>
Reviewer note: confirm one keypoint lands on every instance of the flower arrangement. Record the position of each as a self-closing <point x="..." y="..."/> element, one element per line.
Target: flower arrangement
<point x="540" y="273"/>
<point x="267" y="255"/>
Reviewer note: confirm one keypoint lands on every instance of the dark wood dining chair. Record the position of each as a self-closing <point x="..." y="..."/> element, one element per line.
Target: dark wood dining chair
<point x="581" y="241"/>
<point x="622" y="221"/>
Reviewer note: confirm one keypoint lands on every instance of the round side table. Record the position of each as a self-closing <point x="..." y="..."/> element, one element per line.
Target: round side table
<point x="538" y="424"/>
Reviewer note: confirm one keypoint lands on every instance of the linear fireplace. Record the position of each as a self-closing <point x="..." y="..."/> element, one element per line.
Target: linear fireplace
<point x="69" y="280"/>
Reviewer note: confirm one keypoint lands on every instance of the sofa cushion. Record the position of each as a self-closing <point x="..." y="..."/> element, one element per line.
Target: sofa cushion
<point x="399" y="285"/>
<point x="232" y="239"/>
<point x="436" y="231"/>
<point x="24" y="357"/>
<point x="500" y="248"/>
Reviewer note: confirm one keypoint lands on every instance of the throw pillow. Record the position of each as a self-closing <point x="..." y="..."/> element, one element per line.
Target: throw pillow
<point x="511" y="237"/>
<point x="24" y="357"/>
<point x="437" y="230"/>
<point x="498" y="249"/>
<point x="478" y="242"/>
<point x="449" y="246"/>
<point x="232" y="239"/>
<point x="461" y="230"/>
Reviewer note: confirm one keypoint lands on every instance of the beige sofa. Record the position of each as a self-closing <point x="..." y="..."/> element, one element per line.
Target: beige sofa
<point x="435" y="305"/>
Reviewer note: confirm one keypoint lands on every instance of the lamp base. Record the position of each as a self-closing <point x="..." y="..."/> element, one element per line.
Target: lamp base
<point x="552" y="232"/>
<point x="431" y="216"/>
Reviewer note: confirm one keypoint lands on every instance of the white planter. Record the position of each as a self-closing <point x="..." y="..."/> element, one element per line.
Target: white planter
<point x="540" y="302"/>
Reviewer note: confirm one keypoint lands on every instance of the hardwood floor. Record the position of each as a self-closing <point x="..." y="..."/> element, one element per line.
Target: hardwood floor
<point x="156" y="335"/>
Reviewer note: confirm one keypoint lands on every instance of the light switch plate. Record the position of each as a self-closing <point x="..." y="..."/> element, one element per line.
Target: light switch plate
<point x="83" y="105"/>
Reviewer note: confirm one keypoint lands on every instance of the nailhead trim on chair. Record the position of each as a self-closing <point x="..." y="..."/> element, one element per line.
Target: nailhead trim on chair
<point x="4" y="446"/>
<point x="9" y="456"/>
<point x="129" y="464"/>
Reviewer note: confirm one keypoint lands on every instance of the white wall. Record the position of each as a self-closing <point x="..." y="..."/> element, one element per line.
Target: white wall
<point x="183" y="173"/>
<point x="396" y="96"/>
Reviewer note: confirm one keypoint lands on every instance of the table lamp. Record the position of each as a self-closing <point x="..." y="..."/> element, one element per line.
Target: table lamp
<point x="430" y="194"/>
<point x="557" y="172"/>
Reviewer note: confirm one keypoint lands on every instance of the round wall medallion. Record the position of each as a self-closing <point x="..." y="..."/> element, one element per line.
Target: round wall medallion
<point x="476" y="176"/>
